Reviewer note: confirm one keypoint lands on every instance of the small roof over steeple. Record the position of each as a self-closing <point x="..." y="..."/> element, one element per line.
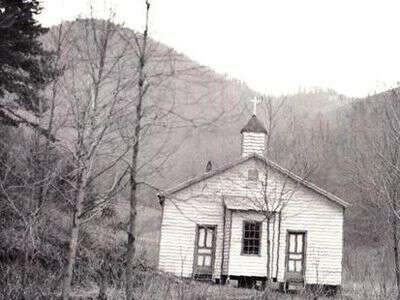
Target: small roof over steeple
<point x="254" y="125"/>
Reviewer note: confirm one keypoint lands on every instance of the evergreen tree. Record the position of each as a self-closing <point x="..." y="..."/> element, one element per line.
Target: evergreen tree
<point x="25" y="67"/>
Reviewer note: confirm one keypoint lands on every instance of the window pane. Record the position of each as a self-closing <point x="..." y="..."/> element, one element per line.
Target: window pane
<point x="299" y="243"/>
<point x="292" y="243"/>
<point x="298" y="265"/>
<point x="209" y="238"/>
<point x="251" y="238"/>
<point x="291" y="266"/>
<point x="200" y="260"/>
<point x="207" y="261"/>
<point x="201" y="237"/>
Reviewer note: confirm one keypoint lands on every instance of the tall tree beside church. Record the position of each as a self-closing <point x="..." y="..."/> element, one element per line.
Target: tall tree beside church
<point x="155" y="121"/>
<point x="94" y="104"/>
<point x="142" y="87"/>
<point x="25" y="67"/>
<point x="149" y="117"/>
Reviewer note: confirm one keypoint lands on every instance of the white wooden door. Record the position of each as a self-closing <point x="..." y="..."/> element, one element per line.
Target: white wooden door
<point x="295" y="255"/>
<point x="204" y="250"/>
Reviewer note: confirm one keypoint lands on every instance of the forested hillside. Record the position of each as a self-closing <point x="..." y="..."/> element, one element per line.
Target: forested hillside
<point x="209" y="108"/>
<point x="190" y="115"/>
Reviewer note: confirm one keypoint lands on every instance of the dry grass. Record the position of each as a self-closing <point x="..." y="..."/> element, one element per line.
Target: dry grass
<point x="366" y="276"/>
<point x="367" y="272"/>
<point x="160" y="287"/>
<point x="154" y="287"/>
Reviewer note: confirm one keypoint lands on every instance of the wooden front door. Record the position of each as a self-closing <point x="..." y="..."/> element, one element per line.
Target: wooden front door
<point x="295" y="255"/>
<point x="204" y="254"/>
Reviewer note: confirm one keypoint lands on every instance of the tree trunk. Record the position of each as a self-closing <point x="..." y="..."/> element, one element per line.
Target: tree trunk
<point x="268" y="251"/>
<point x="73" y="245"/>
<point x="278" y="244"/>
<point x="102" y="292"/>
<point x="133" y="191"/>
<point x="273" y="245"/>
<point x="396" y="254"/>
<point x="129" y="283"/>
<point x="103" y="279"/>
<point x="73" y="242"/>
<point x="131" y="230"/>
<point x="26" y="262"/>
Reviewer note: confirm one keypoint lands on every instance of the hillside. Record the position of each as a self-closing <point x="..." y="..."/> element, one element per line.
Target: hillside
<point x="212" y="108"/>
<point x="191" y="115"/>
<point x="209" y="109"/>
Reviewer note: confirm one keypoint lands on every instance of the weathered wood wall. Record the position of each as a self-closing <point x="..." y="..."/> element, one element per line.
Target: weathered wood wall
<point x="202" y="203"/>
<point x="253" y="142"/>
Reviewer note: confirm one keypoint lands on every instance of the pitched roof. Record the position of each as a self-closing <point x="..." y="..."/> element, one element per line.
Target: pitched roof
<point x="269" y="163"/>
<point x="254" y="125"/>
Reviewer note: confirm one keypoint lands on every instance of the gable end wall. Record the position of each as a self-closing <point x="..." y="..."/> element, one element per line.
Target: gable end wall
<point x="202" y="203"/>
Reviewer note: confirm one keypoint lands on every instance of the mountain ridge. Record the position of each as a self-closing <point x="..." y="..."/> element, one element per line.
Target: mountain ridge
<point x="200" y="93"/>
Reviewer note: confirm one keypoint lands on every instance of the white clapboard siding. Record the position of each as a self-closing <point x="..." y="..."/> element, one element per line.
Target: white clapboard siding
<point x="253" y="142"/>
<point x="323" y="222"/>
<point x="202" y="203"/>
<point x="178" y="233"/>
<point x="250" y="265"/>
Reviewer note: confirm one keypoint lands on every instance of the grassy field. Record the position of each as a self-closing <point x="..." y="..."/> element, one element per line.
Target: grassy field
<point x="155" y="286"/>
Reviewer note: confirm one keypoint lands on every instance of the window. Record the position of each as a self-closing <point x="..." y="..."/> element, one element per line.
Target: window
<point x="252" y="175"/>
<point x="251" y="238"/>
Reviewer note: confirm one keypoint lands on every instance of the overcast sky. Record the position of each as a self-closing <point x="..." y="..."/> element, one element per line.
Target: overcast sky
<point x="275" y="46"/>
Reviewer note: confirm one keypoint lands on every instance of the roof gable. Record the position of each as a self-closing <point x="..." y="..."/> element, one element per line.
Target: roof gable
<point x="269" y="163"/>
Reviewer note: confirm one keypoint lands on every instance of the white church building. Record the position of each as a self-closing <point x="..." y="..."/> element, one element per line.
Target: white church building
<point x="251" y="220"/>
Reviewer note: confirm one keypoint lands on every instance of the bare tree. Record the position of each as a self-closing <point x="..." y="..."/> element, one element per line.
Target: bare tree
<point x="156" y="121"/>
<point x="27" y="184"/>
<point x="32" y="168"/>
<point x="93" y="90"/>
<point x="141" y="91"/>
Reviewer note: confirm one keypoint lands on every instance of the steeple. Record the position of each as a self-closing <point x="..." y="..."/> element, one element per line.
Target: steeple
<point x="253" y="137"/>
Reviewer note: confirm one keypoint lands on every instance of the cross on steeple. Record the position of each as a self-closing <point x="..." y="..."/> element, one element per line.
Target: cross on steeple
<point x="255" y="102"/>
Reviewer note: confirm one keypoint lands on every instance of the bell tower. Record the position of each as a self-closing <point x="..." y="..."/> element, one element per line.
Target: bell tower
<point x="253" y="137"/>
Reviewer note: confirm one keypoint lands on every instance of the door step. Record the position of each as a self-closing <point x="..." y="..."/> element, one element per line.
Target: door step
<point x="203" y="277"/>
<point x="295" y="285"/>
